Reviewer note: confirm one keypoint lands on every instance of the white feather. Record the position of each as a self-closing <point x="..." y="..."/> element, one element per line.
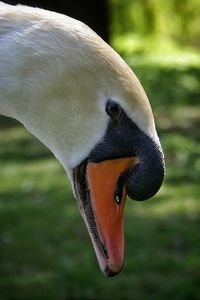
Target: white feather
<point x="56" y="75"/>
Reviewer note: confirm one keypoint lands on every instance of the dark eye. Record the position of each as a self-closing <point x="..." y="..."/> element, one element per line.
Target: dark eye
<point x="113" y="110"/>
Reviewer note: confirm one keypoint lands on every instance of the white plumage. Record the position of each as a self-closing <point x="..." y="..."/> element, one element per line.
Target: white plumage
<point x="53" y="67"/>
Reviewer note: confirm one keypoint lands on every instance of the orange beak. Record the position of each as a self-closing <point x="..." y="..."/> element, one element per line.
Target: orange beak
<point x="108" y="208"/>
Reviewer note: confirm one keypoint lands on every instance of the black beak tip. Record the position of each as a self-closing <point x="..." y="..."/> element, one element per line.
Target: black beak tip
<point x="109" y="273"/>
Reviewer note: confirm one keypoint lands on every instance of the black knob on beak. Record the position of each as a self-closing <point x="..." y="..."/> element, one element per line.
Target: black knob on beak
<point x="145" y="179"/>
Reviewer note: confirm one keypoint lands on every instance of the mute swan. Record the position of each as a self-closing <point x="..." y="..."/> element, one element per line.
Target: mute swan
<point x="78" y="97"/>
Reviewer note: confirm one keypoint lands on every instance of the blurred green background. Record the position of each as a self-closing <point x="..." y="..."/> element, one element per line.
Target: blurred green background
<point x="45" y="251"/>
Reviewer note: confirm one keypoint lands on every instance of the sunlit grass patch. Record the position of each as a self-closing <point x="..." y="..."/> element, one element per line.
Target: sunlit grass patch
<point x="140" y="51"/>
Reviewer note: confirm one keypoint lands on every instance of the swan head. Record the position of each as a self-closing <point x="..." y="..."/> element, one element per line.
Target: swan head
<point x="111" y="150"/>
<point x="78" y="96"/>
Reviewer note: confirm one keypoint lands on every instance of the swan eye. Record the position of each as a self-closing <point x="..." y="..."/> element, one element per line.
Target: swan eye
<point x="113" y="110"/>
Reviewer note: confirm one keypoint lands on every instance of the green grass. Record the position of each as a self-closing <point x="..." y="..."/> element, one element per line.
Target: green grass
<point x="45" y="251"/>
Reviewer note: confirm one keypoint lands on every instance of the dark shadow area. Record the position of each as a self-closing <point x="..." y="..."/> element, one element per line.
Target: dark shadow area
<point x="93" y="13"/>
<point x="6" y="122"/>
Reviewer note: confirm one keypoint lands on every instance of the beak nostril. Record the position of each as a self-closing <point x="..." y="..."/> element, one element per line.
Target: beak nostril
<point x="117" y="198"/>
<point x="118" y="195"/>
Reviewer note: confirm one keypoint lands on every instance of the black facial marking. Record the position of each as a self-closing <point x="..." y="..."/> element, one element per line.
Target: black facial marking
<point x="123" y="138"/>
